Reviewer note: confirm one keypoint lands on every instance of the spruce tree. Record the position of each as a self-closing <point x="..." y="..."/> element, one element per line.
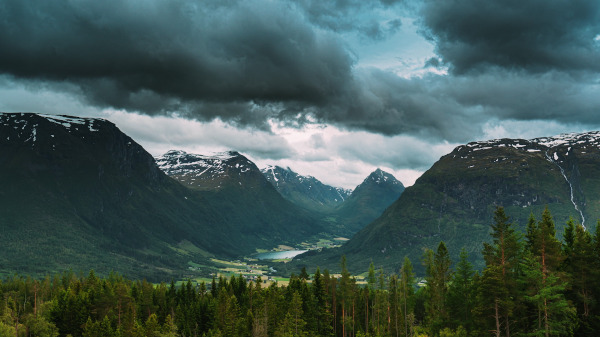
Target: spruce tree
<point x="580" y="266"/>
<point x="407" y="290"/>
<point x="461" y="294"/>
<point x="545" y="283"/>
<point x="502" y="259"/>
<point x="438" y="275"/>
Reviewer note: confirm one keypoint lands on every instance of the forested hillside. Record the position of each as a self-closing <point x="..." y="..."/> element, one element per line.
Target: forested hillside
<point x="532" y="284"/>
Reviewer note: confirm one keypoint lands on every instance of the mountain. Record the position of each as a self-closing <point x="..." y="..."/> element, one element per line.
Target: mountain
<point x="455" y="199"/>
<point x="368" y="200"/>
<point x="345" y="211"/>
<point x="210" y="173"/>
<point x="305" y="191"/>
<point x="237" y="189"/>
<point x="78" y="193"/>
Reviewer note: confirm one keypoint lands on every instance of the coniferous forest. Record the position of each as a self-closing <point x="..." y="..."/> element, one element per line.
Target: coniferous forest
<point x="533" y="284"/>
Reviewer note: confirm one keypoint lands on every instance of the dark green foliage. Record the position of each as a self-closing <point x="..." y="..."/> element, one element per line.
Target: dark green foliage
<point x="461" y="294"/>
<point x="438" y="274"/>
<point x="524" y="290"/>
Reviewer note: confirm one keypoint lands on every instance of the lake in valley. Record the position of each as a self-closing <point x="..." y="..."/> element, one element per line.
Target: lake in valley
<point x="286" y="254"/>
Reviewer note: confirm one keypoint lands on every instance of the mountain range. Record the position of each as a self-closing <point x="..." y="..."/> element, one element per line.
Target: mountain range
<point x="236" y="189"/>
<point x="345" y="211"/>
<point x="77" y="193"/>
<point x="455" y="199"/>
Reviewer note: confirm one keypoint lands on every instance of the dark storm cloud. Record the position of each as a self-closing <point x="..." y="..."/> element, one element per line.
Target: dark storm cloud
<point x="247" y="62"/>
<point x="398" y="153"/>
<point x="433" y="62"/>
<point x="455" y="108"/>
<point x="157" y="56"/>
<point x="555" y="96"/>
<point x="535" y="35"/>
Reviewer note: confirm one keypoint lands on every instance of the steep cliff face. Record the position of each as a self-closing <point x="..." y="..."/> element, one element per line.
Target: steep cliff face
<point x="454" y="201"/>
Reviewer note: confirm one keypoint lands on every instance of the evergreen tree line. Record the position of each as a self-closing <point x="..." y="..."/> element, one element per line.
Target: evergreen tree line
<point x="532" y="285"/>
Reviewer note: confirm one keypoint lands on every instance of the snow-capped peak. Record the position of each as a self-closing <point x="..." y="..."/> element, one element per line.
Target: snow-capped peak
<point x="28" y="126"/>
<point x="379" y="177"/>
<point x="203" y="167"/>
<point x="538" y="144"/>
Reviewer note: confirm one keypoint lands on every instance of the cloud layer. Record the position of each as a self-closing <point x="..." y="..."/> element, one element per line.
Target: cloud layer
<point x="250" y="62"/>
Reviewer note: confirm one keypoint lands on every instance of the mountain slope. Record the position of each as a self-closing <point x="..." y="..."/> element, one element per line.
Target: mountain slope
<point x="78" y="193"/>
<point x="454" y="201"/>
<point x="305" y="191"/>
<point x="368" y="200"/>
<point x="235" y="187"/>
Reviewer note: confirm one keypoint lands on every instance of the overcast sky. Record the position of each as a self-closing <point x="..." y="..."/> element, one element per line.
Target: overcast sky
<point x="332" y="89"/>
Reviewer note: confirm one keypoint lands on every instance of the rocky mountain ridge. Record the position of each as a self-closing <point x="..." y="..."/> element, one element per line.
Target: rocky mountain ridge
<point x="305" y="191"/>
<point x="368" y="200"/>
<point x="206" y="172"/>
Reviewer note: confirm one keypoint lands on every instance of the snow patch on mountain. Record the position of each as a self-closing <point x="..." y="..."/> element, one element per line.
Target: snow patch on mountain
<point x="304" y="189"/>
<point x="181" y="162"/>
<point x="569" y="140"/>
<point x="382" y="177"/>
<point x="558" y="150"/>
<point x="206" y="171"/>
<point x="27" y="125"/>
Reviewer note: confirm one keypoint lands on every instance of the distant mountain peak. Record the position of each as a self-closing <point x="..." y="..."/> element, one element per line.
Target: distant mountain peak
<point x="306" y="191"/>
<point x="381" y="177"/>
<point x="211" y="171"/>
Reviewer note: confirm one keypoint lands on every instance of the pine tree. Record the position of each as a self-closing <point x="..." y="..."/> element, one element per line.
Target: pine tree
<point x="569" y="239"/>
<point x="346" y="298"/>
<point x="546" y="287"/>
<point x="579" y="264"/>
<point x="546" y="292"/>
<point x="502" y="259"/>
<point x="438" y="275"/>
<point x="407" y="290"/>
<point x="293" y="324"/>
<point x="531" y="230"/>
<point x="461" y="294"/>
